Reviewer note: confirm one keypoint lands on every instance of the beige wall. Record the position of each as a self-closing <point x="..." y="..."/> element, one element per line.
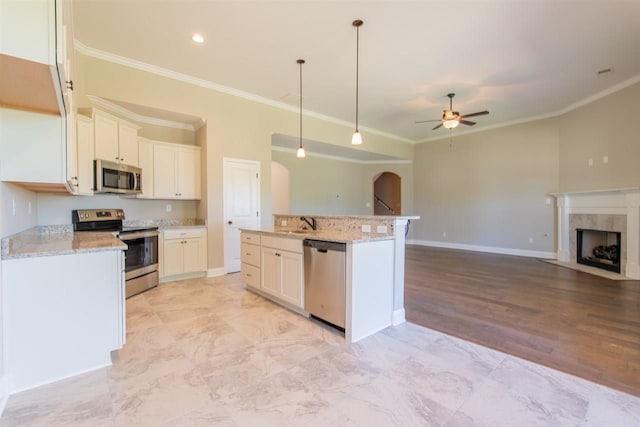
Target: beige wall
<point x="327" y="186"/>
<point x="606" y="127"/>
<point x="489" y="188"/>
<point x="236" y="128"/>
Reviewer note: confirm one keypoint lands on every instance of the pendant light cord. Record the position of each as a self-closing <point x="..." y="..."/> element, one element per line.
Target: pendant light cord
<point x="300" y="62"/>
<point x="357" y="70"/>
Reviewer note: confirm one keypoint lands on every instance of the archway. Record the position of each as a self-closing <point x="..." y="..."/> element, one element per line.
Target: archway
<point x="387" y="194"/>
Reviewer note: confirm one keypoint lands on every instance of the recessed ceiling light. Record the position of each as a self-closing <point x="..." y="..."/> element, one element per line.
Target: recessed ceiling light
<point x="197" y="38"/>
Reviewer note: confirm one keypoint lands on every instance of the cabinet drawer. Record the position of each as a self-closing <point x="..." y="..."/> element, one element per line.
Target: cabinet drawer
<point x="185" y="233"/>
<point x="250" y="254"/>
<point x="250" y="275"/>
<point x="247" y="237"/>
<point x="282" y="243"/>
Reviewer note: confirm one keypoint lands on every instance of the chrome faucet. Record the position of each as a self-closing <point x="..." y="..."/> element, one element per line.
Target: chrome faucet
<point x="313" y="223"/>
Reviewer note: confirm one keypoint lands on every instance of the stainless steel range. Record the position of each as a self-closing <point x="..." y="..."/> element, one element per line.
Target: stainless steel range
<point x="141" y="256"/>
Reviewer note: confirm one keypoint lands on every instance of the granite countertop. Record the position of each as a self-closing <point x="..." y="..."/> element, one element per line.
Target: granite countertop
<point x="327" y="235"/>
<point x="37" y="242"/>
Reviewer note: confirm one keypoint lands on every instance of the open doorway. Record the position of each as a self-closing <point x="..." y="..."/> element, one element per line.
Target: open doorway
<point x="387" y="194"/>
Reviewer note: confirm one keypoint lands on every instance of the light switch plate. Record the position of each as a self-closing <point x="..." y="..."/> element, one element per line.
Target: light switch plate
<point x="381" y="229"/>
<point x="366" y="229"/>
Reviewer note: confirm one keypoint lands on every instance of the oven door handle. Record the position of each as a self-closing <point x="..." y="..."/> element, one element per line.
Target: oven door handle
<point x="138" y="235"/>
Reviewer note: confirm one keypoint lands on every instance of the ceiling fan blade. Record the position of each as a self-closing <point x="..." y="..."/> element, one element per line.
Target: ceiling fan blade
<point x="479" y="113"/>
<point x="467" y="122"/>
<point x="427" y="121"/>
<point x="440" y="125"/>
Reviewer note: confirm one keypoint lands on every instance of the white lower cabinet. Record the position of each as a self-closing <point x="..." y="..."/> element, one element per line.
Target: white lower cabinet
<point x="274" y="267"/>
<point x="282" y="274"/>
<point x="183" y="253"/>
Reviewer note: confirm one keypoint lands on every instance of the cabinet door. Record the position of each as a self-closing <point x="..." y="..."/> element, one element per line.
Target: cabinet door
<point x="145" y="161"/>
<point x="192" y="260"/>
<point x="172" y="257"/>
<point x="164" y="168"/>
<point x="188" y="172"/>
<point x="128" y="144"/>
<point x="271" y="271"/>
<point x="292" y="278"/>
<point x="105" y="131"/>
<point x="84" y="142"/>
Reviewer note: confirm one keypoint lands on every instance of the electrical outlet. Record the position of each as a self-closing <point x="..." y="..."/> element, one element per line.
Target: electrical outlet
<point x="169" y="207"/>
<point x="381" y="229"/>
<point x="547" y="200"/>
<point x="605" y="159"/>
<point x="368" y="204"/>
<point x="366" y="229"/>
<point x="590" y="162"/>
<point x="283" y="222"/>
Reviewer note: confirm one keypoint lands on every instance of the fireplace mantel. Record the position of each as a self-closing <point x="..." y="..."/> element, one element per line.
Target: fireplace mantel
<point x="621" y="201"/>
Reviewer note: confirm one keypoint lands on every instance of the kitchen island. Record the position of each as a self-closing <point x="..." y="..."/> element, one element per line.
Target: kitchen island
<point x="374" y="268"/>
<point x="64" y="303"/>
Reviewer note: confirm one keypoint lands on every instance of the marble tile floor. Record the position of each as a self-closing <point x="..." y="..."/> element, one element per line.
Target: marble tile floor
<point x="206" y="352"/>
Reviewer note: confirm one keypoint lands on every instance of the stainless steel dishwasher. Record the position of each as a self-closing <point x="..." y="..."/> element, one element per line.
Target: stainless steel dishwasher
<point x="324" y="280"/>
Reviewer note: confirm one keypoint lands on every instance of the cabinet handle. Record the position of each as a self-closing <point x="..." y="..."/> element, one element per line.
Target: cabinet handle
<point x="277" y="254"/>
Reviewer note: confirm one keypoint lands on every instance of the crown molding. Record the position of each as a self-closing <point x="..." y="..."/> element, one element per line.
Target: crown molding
<point x="139" y="65"/>
<point x="124" y="112"/>
<point x="341" y="158"/>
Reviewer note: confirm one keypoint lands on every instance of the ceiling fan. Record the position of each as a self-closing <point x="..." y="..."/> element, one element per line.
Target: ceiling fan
<point x="451" y="119"/>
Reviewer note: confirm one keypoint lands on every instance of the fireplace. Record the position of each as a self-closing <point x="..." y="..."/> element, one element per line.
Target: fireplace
<point x="598" y="248"/>
<point x="610" y="210"/>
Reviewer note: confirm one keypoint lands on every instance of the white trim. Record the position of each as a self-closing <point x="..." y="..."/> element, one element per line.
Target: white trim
<point x="398" y="317"/>
<point x="581" y="103"/>
<point x="4" y="393"/>
<point x="488" y="249"/>
<point x="216" y="272"/>
<point x="183" y="276"/>
<point x="60" y="378"/>
<point x="342" y="159"/>
<point x="114" y="108"/>
<point x="132" y="63"/>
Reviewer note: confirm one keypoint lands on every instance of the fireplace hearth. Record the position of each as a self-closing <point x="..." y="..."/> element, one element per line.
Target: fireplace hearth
<point x="598" y="248"/>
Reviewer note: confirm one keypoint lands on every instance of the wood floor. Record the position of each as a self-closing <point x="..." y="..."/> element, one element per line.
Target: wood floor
<point x="558" y="317"/>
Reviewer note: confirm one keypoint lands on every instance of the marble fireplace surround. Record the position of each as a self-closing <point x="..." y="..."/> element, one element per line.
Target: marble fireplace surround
<point x="606" y="210"/>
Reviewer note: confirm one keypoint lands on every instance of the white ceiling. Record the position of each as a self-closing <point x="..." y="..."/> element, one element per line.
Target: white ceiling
<point x="519" y="59"/>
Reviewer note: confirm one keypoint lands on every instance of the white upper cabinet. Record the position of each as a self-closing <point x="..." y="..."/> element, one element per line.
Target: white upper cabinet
<point x="35" y="55"/>
<point x="145" y="162"/>
<point x="115" y="140"/>
<point x="176" y="171"/>
<point x="84" y="156"/>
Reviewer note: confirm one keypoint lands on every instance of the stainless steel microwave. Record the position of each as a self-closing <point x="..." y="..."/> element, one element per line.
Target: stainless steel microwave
<point x="110" y="177"/>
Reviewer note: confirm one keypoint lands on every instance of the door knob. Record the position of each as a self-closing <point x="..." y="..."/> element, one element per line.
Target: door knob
<point x="230" y="222"/>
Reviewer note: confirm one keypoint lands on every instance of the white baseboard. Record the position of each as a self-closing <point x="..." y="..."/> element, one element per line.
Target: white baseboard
<point x="215" y="272"/>
<point x="397" y="317"/>
<point x="489" y="249"/>
<point x="4" y="393"/>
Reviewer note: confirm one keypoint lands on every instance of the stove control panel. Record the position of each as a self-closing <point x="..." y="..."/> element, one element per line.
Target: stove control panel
<point x="88" y="215"/>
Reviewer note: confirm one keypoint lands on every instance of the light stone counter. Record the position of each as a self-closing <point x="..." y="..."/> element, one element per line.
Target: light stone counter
<point x="41" y="241"/>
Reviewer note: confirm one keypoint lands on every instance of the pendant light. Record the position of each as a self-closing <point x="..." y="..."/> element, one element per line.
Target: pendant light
<point x="356" y="139"/>
<point x="300" y="152"/>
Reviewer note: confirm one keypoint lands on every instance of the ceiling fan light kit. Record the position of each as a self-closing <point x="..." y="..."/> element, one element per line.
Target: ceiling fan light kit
<point x="356" y="139"/>
<point x="451" y="119"/>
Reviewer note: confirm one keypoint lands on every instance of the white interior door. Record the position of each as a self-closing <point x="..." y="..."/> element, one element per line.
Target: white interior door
<point x="241" y="206"/>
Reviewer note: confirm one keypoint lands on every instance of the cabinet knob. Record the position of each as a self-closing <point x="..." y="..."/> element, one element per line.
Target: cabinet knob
<point x="277" y="254"/>
<point x="69" y="84"/>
